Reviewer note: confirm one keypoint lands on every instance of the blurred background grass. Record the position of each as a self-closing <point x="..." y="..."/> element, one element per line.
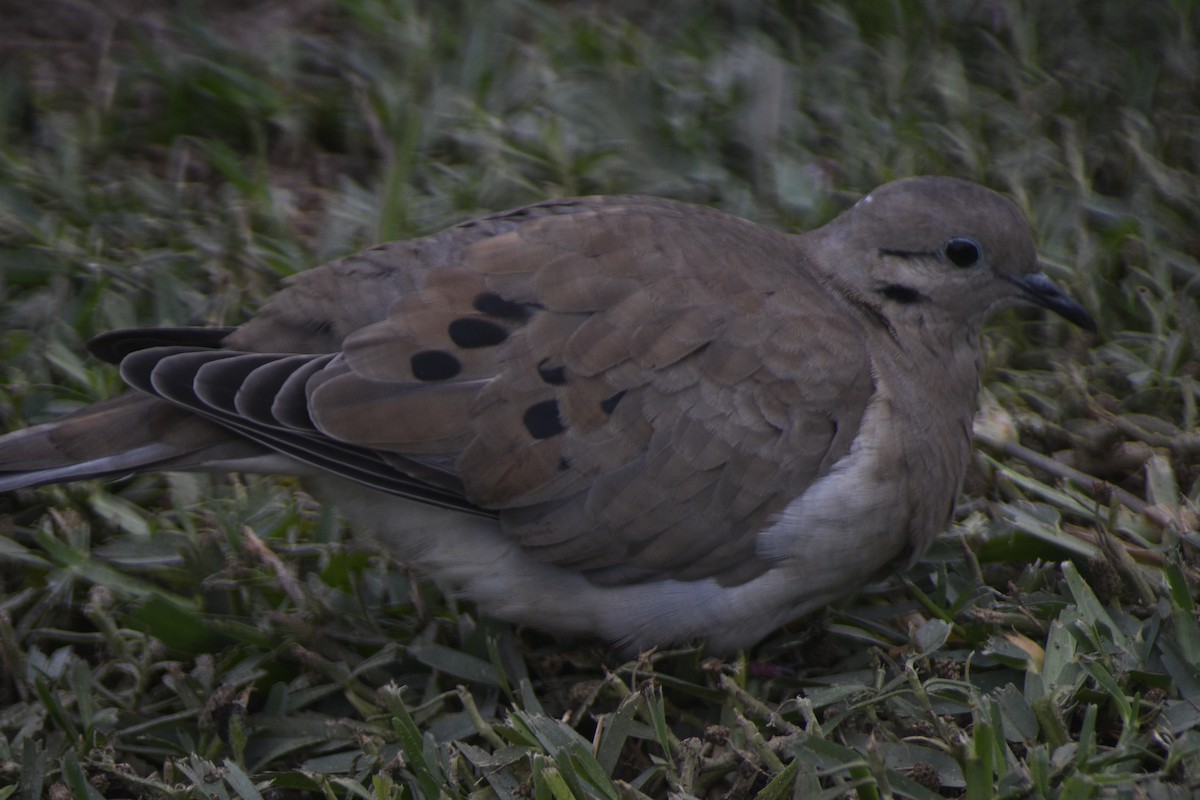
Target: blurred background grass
<point x="187" y="636"/>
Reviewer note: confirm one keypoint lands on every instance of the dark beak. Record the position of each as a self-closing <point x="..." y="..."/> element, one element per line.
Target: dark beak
<point x="1037" y="288"/>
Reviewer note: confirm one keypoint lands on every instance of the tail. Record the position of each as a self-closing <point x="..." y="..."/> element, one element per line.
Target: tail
<point x="130" y="433"/>
<point x="189" y="413"/>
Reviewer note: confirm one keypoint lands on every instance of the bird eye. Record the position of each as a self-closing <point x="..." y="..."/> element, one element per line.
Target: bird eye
<point x="963" y="252"/>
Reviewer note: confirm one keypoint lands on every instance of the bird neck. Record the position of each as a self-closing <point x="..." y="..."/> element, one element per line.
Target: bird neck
<point x="932" y="379"/>
<point x="925" y="357"/>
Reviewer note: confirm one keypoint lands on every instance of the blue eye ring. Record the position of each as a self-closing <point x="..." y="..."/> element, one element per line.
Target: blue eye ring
<point x="963" y="251"/>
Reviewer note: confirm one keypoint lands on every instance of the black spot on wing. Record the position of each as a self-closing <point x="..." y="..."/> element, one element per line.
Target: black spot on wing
<point x="434" y="365"/>
<point x="555" y="376"/>
<point x="494" y="305"/>
<point x="609" y="404"/>
<point x="472" y="332"/>
<point x="542" y="420"/>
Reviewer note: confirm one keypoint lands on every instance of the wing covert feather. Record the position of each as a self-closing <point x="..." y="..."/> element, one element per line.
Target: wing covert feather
<point x="614" y="377"/>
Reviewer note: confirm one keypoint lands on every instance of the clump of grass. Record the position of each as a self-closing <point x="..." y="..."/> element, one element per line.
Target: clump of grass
<point x="191" y="636"/>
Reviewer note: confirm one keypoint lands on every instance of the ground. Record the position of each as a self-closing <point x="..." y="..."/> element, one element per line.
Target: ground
<point x="194" y="636"/>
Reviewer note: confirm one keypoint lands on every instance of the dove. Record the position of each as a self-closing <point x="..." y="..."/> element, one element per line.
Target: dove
<point x="618" y="417"/>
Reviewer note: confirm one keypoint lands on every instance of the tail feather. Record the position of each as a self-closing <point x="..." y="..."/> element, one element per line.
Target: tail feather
<point x="130" y="433"/>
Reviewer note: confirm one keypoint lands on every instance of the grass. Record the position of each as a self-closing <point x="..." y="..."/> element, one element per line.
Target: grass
<point x="208" y="637"/>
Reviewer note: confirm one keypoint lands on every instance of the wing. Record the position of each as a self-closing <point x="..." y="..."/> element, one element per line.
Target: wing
<point x="619" y="379"/>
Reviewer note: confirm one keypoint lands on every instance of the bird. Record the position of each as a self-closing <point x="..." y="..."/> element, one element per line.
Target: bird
<point x="620" y="417"/>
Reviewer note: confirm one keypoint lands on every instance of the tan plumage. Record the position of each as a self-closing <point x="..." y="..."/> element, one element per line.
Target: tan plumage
<point x="620" y="416"/>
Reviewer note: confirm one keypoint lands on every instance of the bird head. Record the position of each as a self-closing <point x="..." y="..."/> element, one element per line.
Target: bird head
<point x="940" y="250"/>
